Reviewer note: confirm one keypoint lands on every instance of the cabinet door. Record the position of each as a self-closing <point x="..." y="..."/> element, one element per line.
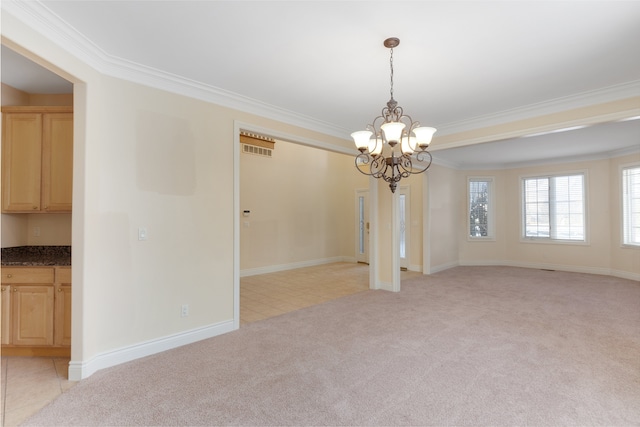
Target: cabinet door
<point x="32" y="314"/>
<point x="62" y="324"/>
<point x="21" y="162"/>
<point x="6" y="314"/>
<point x="57" y="162"/>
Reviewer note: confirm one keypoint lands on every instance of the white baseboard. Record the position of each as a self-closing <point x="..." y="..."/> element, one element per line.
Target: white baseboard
<point x="415" y="267"/>
<point x="559" y="267"/>
<point x="385" y="286"/>
<point x="82" y="369"/>
<point x="626" y="275"/>
<point x="442" y="267"/>
<point x="292" y="266"/>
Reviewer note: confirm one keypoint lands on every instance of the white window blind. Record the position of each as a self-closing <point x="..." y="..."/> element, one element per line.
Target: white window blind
<point x="554" y="207"/>
<point x="631" y="205"/>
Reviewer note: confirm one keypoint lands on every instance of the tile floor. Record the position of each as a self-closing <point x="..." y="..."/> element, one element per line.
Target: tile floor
<point x="272" y="294"/>
<point x="28" y="384"/>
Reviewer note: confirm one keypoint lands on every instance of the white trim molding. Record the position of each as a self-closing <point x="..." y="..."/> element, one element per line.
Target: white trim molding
<point x="292" y="266"/>
<point x="79" y="370"/>
<point x="36" y="15"/>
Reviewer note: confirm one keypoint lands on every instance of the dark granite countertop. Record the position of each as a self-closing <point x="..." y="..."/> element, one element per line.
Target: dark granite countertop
<point x="36" y="256"/>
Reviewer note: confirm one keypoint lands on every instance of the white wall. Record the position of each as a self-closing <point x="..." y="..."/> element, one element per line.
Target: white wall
<point x="445" y="205"/>
<point x="625" y="260"/>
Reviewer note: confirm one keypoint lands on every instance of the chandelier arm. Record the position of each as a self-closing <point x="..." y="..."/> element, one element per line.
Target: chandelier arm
<point x="421" y="156"/>
<point x="379" y="167"/>
<point x="363" y="159"/>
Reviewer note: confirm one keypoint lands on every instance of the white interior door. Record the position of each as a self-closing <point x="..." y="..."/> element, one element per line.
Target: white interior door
<point x="404" y="216"/>
<point x="362" y="224"/>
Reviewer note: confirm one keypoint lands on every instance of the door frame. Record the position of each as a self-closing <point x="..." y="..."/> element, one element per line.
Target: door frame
<point x="361" y="192"/>
<point x="405" y="190"/>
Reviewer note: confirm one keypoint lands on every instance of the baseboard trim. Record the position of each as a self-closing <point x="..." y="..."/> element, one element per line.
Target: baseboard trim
<point x="560" y="267"/>
<point x="292" y="266"/>
<point x="626" y="275"/>
<point x="415" y="267"/>
<point x="79" y="370"/>
<point x="442" y="267"/>
<point x="385" y="286"/>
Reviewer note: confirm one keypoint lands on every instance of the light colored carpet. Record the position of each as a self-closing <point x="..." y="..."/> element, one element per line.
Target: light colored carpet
<point x="481" y="346"/>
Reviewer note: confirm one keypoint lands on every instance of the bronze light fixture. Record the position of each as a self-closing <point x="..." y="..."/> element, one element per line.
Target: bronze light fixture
<point x="393" y="146"/>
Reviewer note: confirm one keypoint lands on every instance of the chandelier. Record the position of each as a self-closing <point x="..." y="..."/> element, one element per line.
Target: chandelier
<point x="393" y="146"/>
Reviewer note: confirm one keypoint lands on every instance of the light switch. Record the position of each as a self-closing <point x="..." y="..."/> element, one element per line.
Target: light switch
<point x="142" y="233"/>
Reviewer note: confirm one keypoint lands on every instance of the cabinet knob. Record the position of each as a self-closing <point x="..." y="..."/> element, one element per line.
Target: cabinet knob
<point x="3" y="289"/>
<point x="35" y="207"/>
<point x="9" y="276"/>
<point x="59" y="289"/>
<point x="15" y="289"/>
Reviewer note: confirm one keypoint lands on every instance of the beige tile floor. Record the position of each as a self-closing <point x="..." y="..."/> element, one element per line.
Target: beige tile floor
<point x="272" y="294"/>
<point x="28" y="384"/>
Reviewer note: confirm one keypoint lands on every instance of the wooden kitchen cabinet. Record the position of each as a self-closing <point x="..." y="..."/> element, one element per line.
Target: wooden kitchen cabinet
<point x="62" y="307"/>
<point x="37" y="159"/>
<point x="32" y="315"/>
<point x="5" y="330"/>
<point x="37" y="310"/>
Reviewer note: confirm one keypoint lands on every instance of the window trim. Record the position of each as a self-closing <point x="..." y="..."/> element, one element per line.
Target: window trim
<point x="549" y="240"/>
<point x="621" y="169"/>
<point x="491" y="232"/>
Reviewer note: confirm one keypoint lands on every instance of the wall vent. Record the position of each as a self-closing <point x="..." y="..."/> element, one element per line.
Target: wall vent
<point x="259" y="145"/>
<point x="258" y="151"/>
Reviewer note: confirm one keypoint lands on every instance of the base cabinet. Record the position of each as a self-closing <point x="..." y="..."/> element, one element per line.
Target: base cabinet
<point x="62" y="308"/>
<point x="36" y="307"/>
<point x="31" y="314"/>
<point x="6" y="314"/>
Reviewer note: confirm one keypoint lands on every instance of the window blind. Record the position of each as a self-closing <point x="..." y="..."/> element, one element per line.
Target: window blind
<point x="631" y="205"/>
<point x="554" y="207"/>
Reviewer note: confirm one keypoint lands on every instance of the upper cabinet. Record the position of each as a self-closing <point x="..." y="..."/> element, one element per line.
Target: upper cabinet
<point x="37" y="159"/>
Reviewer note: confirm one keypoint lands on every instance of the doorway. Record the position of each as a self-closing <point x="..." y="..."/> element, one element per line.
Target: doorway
<point x="404" y="217"/>
<point x="291" y="219"/>
<point x="363" y="225"/>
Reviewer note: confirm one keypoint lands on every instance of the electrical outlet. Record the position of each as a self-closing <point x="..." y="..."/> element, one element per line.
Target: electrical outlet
<point x="185" y="310"/>
<point x="36" y="231"/>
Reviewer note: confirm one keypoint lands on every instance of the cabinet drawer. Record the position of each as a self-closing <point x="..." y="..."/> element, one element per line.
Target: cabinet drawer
<point x="27" y="275"/>
<point x="63" y="274"/>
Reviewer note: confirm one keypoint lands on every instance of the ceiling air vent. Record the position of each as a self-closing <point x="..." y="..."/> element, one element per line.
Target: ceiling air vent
<point x="257" y="144"/>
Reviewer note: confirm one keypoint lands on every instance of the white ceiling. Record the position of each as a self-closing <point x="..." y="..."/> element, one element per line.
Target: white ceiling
<point x="459" y="63"/>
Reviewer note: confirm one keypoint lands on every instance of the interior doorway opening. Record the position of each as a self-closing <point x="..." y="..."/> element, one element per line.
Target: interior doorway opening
<point x="294" y="227"/>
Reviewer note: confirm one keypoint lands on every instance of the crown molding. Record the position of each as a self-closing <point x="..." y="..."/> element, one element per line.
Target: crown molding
<point x="538" y="162"/>
<point x="43" y="20"/>
<point x="584" y="99"/>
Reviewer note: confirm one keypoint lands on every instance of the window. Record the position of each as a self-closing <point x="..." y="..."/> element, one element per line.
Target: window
<point x="554" y="207"/>
<point x="480" y="208"/>
<point x="631" y="205"/>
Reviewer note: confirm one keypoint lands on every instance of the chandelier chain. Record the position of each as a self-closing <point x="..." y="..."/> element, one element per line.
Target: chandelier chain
<point x="391" y="67"/>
